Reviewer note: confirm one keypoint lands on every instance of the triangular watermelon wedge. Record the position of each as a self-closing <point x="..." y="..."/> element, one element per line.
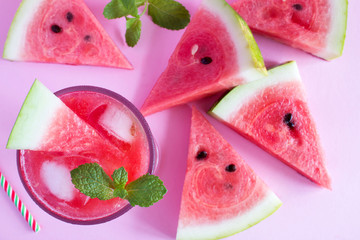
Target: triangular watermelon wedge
<point x="45" y="123"/>
<point x="217" y="51"/>
<point x="273" y="113"/>
<point x="60" y="31"/>
<point x="317" y="27"/>
<point x="221" y="194"/>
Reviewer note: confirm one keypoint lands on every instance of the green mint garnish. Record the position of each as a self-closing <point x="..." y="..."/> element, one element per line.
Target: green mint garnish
<point x="139" y="3"/>
<point x="120" y="177"/>
<point x="145" y="191"/>
<point x="168" y="14"/>
<point x="133" y="31"/>
<point x="91" y="180"/>
<point x="120" y="8"/>
<point x="120" y="192"/>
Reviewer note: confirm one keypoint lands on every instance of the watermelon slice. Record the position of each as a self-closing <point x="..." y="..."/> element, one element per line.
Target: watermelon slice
<point x="60" y="31"/>
<point x="317" y="27"/>
<point x="217" y="51"/>
<point x="221" y="194"/>
<point x="45" y="123"/>
<point x="273" y="113"/>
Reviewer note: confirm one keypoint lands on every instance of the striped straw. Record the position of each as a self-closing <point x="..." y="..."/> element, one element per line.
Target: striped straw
<point x="18" y="203"/>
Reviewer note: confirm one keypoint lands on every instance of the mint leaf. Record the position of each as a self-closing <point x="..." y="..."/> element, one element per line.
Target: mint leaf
<point x="139" y="3"/>
<point x="128" y="3"/>
<point x="168" y="14"/>
<point x="120" y="192"/>
<point x="133" y="31"/>
<point x="145" y="191"/>
<point x="120" y="177"/>
<point x="91" y="180"/>
<point x="120" y="8"/>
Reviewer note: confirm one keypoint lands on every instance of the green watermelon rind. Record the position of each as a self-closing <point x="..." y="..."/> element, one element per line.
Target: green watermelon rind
<point x="36" y="113"/>
<point x="248" y="53"/>
<point x="238" y="96"/>
<point x="270" y="204"/>
<point x="255" y="51"/>
<point x="337" y="32"/>
<point x="15" y="39"/>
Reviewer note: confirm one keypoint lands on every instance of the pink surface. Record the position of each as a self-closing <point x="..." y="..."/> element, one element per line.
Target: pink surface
<point x="308" y="211"/>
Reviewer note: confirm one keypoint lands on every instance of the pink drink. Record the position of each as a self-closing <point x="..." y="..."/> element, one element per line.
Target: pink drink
<point x="46" y="175"/>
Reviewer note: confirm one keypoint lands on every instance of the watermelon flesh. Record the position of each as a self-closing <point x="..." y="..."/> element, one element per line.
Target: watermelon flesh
<point x="60" y="31"/>
<point x="217" y="51"/>
<point x="221" y="194"/>
<point x="273" y="113"/>
<point x="317" y="27"/>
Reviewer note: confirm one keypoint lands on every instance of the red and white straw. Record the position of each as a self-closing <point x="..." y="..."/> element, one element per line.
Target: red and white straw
<point x="19" y="204"/>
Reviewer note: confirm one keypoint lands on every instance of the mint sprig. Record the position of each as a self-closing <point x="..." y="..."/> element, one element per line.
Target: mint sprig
<point x="168" y="14"/>
<point x="91" y="180"/>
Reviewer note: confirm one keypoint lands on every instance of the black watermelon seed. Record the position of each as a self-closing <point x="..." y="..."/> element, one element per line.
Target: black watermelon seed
<point x="230" y="168"/>
<point x="297" y="7"/>
<point x="288" y="120"/>
<point x="87" y="38"/>
<point x="206" y="60"/>
<point x="55" y="28"/>
<point x="69" y="16"/>
<point x="201" y="155"/>
<point x="291" y="125"/>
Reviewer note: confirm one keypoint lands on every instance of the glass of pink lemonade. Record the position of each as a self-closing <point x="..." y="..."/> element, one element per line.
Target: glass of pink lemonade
<point x="46" y="175"/>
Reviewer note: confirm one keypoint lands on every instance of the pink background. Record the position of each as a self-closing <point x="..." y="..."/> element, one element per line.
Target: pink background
<point x="308" y="211"/>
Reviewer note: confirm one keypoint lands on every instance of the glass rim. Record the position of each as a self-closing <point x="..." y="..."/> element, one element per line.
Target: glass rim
<point x="153" y="155"/>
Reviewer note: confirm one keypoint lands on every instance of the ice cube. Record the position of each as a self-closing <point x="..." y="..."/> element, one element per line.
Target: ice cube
<point x="117" y="122"/>
<point x="57" y="179"/>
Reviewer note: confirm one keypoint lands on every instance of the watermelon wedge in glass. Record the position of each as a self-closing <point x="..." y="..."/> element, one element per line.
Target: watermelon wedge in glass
<point x="82" y="124"/>
<point x="217" y="51"/>
<point x="221" y="195"/>
<point x="44" y="122"/>
<point x="273" y="113"/>
<point x="60" y="31"/>
<point x="315" y="26"/>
